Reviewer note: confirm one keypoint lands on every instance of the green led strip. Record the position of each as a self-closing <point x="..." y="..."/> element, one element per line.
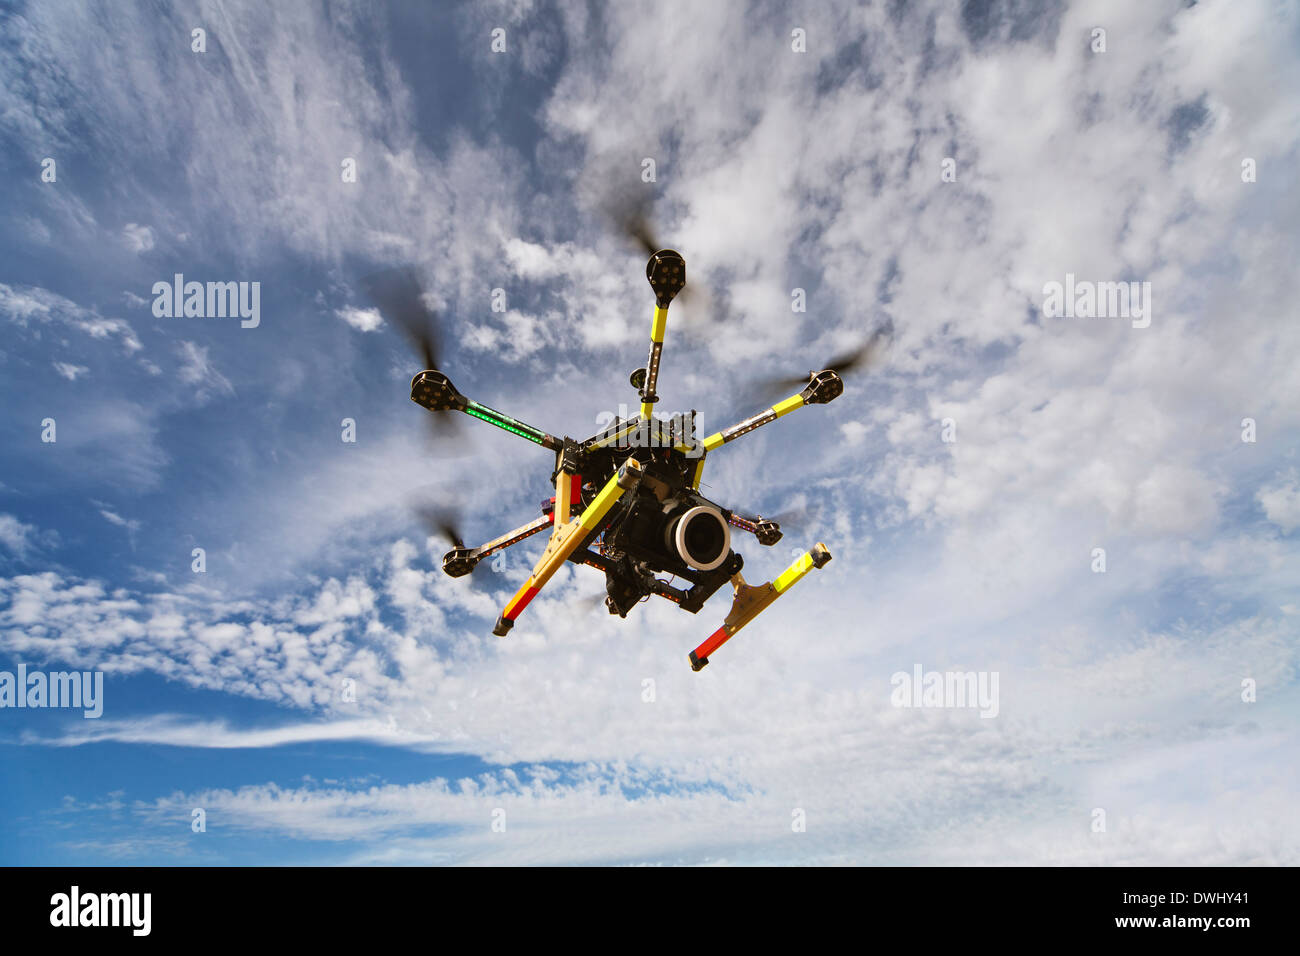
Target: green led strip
<point x="485" y="414"/>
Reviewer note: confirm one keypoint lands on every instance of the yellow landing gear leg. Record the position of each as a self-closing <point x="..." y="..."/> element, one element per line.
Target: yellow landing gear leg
<point x="567" y="535"/>
<point x="749" y="601"/>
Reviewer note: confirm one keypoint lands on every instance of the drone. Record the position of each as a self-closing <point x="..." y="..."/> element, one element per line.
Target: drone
<point x="627" y="500"/>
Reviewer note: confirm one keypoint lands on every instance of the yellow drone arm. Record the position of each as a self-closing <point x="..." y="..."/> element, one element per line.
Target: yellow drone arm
<point x="567" y="535"/>
<point x="666" y="272"/>
<point x="754" y="421"/>
<point x="824" y="386"/>
<point x="658" y="326"/>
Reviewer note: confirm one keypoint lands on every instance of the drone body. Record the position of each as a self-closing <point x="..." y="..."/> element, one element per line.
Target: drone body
<point x="627" y="500"/>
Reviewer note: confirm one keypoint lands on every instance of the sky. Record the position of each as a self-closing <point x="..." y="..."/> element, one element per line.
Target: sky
<point x="1099" y="512"/>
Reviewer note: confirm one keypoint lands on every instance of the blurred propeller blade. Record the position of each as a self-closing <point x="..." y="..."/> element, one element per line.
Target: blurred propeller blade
<point x="588" y="603"/>
<point x="798" y="516"/>
<point x="630" y="213"/>
<point x="402" y="300"/>
<point x="864" y="356"/>
<point x="442" y="522"/>
<point x="628" y="209"/>
<point x="400" y="297"/>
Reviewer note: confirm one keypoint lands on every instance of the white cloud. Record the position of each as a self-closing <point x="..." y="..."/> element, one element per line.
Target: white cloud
<point x="138" y="238"/>
<point x="1281" y="502"/>
<point x="363" y="320"/>
<point x="897" y="811"/>
<point x="16" y="535"/>
<point x="69" y="371"/>
<point x="173" y="731"/>
<point x="347" y="98"/>
<point x="198" y="371"/>
<point x="854" y="432"/>
<point x="112" y="517"/>
<point x="34" y="306"/>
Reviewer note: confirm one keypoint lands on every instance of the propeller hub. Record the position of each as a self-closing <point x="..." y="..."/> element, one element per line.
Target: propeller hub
<point x="458" y="562"/>
<point x="433" y="390"/>
<point x="767" y="531"/>
<point x="666" y="271"/>
<point x="824" y="386"/>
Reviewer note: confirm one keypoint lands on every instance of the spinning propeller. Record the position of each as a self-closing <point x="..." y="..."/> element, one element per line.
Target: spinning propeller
<point x="864" y="357"/>
<point x="401" y="299"/>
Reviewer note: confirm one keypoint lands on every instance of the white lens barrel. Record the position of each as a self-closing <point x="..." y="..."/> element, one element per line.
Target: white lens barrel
<point x="705" y="562"/>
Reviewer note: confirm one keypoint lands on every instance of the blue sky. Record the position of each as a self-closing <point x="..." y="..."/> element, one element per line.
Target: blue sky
<point x="795" y="147"/>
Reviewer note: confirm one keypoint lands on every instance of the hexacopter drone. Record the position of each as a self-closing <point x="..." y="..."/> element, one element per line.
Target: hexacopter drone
<point x="627" y="500"/>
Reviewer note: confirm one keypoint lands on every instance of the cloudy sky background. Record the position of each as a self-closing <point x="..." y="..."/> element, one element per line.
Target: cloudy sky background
<point x="776" y="170"/>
